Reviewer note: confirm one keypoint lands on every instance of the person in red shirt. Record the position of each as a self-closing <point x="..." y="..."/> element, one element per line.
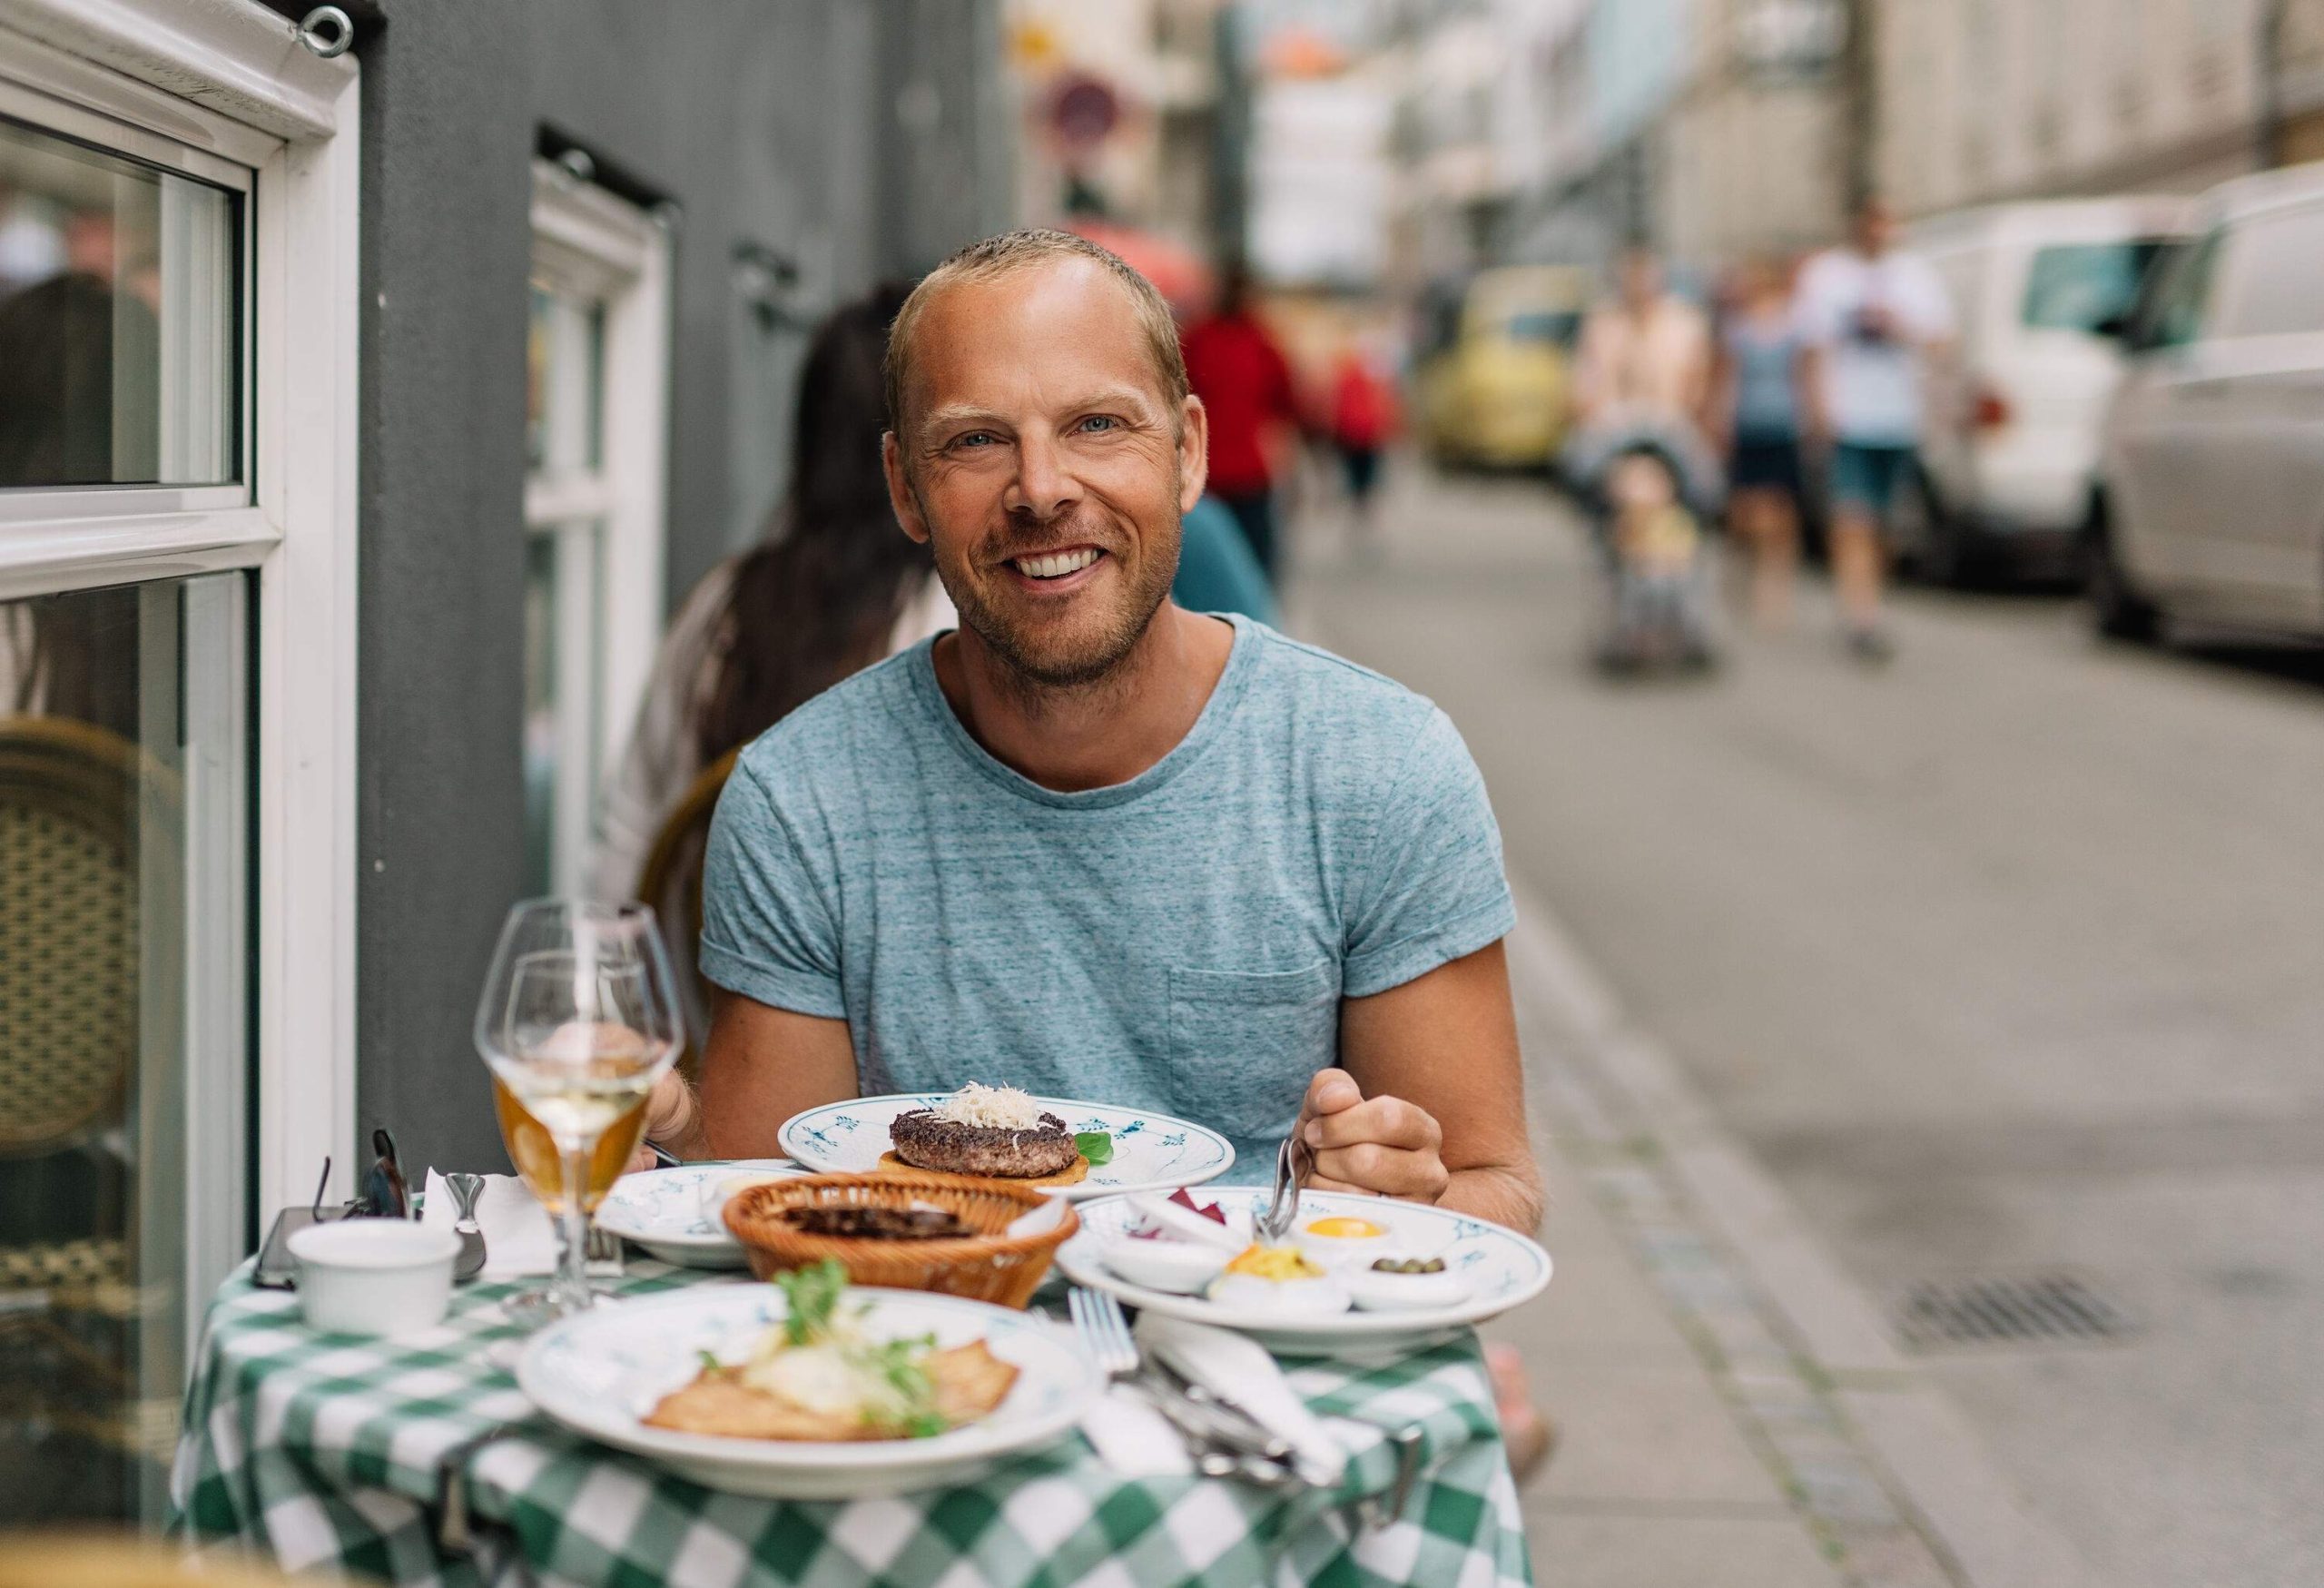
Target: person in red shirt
<point x="1363" y="422"/>
<point x="1245" y="383"/>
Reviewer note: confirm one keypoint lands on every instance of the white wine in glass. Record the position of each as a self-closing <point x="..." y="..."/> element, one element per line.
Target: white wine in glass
<point x="579" y="1018"/>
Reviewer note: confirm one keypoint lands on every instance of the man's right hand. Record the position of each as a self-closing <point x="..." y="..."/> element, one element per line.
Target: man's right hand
<point x="672" y="1118"/>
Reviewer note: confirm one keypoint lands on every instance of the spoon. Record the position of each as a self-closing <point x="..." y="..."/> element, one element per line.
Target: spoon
<point x="465" y="1190"/>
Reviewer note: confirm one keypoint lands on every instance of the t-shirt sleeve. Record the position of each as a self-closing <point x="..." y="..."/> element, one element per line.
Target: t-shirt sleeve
<point x="768" y="931"/>
<point x="1932" y="304"/>
<point x="1431" y="888"/>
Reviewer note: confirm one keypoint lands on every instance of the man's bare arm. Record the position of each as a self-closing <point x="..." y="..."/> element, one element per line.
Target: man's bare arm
<point x="760" y="1066"/>
<point x="1443" y="1109"/>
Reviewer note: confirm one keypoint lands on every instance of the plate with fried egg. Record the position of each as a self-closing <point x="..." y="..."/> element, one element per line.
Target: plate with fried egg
<point x="1356" y="1271"/>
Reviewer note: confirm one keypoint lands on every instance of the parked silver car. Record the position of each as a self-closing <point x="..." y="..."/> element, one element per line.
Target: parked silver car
<point x="2209" y="505"/>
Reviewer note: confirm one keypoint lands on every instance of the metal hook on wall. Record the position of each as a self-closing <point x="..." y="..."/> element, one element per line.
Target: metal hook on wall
<point x="327" y="31"/>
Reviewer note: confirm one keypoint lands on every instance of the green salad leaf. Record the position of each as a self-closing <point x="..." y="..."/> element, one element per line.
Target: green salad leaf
<point x="1094" y="1145"/>
<point x="810" y="1300"/>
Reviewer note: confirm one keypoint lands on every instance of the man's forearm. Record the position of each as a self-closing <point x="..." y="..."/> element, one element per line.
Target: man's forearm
<point x="1499" y="1193"/>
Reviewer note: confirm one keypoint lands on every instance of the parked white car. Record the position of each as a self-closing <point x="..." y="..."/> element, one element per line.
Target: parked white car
<point x="2011" y="443"/>
<point x="2211" y="500"/>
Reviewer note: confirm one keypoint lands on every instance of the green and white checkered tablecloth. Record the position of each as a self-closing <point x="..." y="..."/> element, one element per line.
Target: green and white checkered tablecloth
<point x="323" y="1451"/>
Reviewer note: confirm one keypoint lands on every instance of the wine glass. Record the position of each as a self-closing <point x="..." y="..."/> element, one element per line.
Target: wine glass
<point x="578" y="1018"/>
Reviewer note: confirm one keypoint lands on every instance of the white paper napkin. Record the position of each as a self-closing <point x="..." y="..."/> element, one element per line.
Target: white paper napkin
<point x="1133" y="1438"/>
<point x="517" y="1240"/>
<point x="1239" y="1369"/>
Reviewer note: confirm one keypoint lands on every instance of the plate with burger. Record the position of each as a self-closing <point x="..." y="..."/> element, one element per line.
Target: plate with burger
<point x="1074" y="1149"/>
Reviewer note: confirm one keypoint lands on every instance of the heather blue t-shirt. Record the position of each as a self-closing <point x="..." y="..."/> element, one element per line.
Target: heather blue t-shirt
<point x="1180" y="941"/>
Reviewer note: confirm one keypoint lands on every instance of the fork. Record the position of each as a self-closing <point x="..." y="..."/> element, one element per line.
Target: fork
<point x="1251" y="1452"/>
<point x="602" y="1248"/>
<point x="1293" y="1164"/>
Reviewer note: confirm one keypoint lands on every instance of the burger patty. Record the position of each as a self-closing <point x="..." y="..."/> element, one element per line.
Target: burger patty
<point x="925" y="1142"/>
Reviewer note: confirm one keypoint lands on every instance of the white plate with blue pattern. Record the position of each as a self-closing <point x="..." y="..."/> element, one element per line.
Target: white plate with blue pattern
<point x="1152" y="1153"/>
<point x="601" y="1372"/>
<point x="1502" y="1269"/>
<point x="673" y="1213"/>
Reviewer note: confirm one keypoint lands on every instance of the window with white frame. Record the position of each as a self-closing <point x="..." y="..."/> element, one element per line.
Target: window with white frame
<point x="598" y="369"/>
<point x="177" y="363"/>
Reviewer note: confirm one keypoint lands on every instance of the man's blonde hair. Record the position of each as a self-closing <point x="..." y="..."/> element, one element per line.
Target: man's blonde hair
<point x="1014" y="250"/>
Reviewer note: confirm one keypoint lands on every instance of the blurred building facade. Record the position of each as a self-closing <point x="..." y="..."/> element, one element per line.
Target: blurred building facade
<point x="1987" y="100"/>
<point x="1755" y="159"/>
<point x="1715" y="129"/>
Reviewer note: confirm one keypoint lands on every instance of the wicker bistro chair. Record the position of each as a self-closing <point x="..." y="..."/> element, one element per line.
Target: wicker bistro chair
<point x="671" y="881"/>
<point x="79" y="806"/>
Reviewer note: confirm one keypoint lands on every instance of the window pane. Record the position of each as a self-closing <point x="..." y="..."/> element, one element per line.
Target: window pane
<point x="540" y="714"/>
<point x="565" y="354"/>
<point x="117" y="323"/>
<point x="563" y="621"/>
<point x="2082" y="286"/>
<point x="123" y="1047"/>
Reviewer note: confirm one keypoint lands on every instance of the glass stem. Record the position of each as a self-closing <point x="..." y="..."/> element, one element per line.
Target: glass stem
<point x="573" y="1272"/>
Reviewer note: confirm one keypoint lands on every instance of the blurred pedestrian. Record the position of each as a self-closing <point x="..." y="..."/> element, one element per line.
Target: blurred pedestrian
<point x="1873" y="318"/>
<point x="1235" y="365"/>
<point x="1755" y="413"/>
<point x="1640" y="459"/>
<point x="835" y="586"/>
<point x="1362" y="421"/>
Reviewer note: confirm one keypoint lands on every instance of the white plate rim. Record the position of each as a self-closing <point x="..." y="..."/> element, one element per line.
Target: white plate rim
<point x="720" y="1240"/>
<point x="803" y="1151"/>
<point x="979" y="1442"/>
<point x="1078" y="1259"/>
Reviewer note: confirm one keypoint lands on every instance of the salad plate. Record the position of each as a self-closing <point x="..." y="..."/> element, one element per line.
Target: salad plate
<point x="1493" y="1268"/>
<point x="603" y="1372"/>
<point x="1148" y="1151"/>
<point x="673" y="1213"/>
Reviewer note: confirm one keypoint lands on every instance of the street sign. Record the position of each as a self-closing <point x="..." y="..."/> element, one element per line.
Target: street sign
<point x="1084" y="110"/>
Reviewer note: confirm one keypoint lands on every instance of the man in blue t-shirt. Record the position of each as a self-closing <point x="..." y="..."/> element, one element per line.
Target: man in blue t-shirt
<point x="1092" y="844"/>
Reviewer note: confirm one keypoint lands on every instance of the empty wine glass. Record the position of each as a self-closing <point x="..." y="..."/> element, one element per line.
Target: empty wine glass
<point x="578" y="1018"/>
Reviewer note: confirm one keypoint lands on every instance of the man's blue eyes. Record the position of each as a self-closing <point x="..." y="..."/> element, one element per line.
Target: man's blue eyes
<point x="1095" y="424"/>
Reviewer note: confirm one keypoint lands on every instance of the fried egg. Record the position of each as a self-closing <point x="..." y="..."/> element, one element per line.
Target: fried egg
<point x="1278" y="1279"/>
<point x="1344" y="1240"/>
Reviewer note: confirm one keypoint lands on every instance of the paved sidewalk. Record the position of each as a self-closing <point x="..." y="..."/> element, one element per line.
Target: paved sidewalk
<point x="1696" y="1448"/>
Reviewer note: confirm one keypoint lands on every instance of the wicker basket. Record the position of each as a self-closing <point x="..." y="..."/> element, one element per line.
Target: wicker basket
<point x="987" y="1265"/>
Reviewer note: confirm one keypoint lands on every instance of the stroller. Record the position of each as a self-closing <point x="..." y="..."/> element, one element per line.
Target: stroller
<point x="1651" y="488"/>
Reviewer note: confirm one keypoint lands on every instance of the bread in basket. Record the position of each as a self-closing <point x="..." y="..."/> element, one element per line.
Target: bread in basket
<point x="989" y="1266"/>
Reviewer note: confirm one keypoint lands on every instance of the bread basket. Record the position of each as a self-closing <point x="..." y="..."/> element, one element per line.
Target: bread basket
<point x="989" y="1266"/>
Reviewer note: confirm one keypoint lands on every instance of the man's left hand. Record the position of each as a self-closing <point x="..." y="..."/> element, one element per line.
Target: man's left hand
<point x="1383" y="1145"/>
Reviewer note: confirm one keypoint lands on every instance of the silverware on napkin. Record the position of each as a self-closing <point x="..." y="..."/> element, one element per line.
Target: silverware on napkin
<point x="465" y="1190"/>
<point x="1219" y="1440"/>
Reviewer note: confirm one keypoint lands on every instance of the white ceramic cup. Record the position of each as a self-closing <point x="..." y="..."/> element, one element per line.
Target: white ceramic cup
<point x="374" y="1275"/>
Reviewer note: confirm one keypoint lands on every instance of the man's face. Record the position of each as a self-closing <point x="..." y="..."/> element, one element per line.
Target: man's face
<point x="1038" y="458"/>
<point x="1641" y="278"/>
<point x="1876" y="227"/>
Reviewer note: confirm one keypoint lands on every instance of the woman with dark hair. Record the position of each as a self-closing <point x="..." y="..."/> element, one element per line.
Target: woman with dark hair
<point x="834" y="588"/>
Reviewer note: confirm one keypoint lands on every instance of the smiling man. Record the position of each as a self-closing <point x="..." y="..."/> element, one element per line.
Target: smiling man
<point x="1093" y="844"/>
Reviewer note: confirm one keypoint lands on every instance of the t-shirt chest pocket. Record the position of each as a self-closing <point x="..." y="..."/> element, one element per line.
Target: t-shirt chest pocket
<point x="1243" y="1044"/>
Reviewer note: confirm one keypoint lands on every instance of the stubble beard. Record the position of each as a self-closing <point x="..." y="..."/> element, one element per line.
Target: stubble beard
<point x="1031" y="671"/>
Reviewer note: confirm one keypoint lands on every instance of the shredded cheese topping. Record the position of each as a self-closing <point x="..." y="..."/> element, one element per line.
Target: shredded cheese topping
<point x="1001" y="1108"/>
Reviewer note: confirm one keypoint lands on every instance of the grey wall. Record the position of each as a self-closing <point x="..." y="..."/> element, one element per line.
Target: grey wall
<point x="783" y="122"/>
